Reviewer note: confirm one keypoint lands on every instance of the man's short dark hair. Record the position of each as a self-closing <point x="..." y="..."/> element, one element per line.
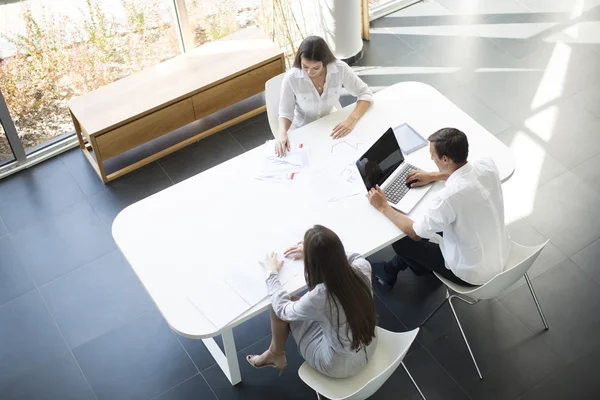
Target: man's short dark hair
<point x="452" y="143"/>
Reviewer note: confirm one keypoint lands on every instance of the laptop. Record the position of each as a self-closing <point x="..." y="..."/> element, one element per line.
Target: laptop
<point x="383" y="164"/>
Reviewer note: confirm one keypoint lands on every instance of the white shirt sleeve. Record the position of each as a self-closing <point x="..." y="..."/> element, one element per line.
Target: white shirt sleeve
<point x="439" y="215"/>
<point x="354" y="85"/>
<point x="287" y="99"/>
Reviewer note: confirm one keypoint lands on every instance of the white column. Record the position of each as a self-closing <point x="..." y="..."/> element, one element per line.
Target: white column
<point x="339" y="23"/>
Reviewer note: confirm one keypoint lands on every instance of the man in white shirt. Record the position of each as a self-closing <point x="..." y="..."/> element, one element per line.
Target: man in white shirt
<point x="469" y="211"/>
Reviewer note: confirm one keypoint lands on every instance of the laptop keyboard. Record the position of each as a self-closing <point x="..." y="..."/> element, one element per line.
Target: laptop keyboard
<point x="397" y="189"/>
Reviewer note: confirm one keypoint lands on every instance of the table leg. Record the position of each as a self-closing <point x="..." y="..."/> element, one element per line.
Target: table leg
<point x="228" y="361"/>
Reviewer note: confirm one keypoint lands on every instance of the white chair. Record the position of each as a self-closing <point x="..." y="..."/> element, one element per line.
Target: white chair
<point x="520" y="259"/>
<point x="389" y="353"/>
<point x="272" y="97"/>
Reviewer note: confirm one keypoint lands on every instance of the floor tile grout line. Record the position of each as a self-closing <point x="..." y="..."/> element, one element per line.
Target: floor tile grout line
<point x="65" y="341"/>
<point x="114" y="328"/>
<point x="66" y="207"/>
<point x="173" y="387"/>
<point x="446" y="372"/>
<point x="463" y="86"/>
<point x="413" y="50"/>
<point x="210" y="387"/>
<point x="238" y="143"/>
<point x="184" y="349"/>
<point x="240" y="125"/>
<point x="163" y="169"/>
<point x="97" y="214"/>
<point x="71" y="174"/>
<point x="20" y="296"/>
<point x="585" y="273"/>
<point x="535" y="335"/>
<point x="4" y="225"/>
<point x="237" y="352"/>
<point x="558" y="370"/>
<point x="588" y="159"/>
<point x="504" y="295"/>
<point x="78" y="268"/>
<point x="392" y="312"/>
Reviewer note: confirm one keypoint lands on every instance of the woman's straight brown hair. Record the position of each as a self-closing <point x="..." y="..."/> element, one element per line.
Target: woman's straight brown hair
<point x="314" y="48"/>
<point x="325" y="262"/>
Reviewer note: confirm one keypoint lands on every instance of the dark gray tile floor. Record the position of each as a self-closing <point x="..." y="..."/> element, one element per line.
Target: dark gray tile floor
<point x="76" y="323"/>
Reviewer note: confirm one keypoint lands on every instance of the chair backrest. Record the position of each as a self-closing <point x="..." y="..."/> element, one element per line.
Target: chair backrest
<point x="272" y="97"/>
<point x="520" y="259"/>
<point x="389" y="353"/>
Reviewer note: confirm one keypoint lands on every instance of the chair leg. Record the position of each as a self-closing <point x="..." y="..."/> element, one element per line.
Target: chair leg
<point x="463" y="335"/>
<point x="413" y="381"/>
<point x="537" y="304"/>
<point x="465" y="299"/>
<point x="436" y="310"/>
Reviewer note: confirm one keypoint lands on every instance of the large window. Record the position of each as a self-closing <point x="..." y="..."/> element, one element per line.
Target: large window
<point x="380" y="8"/>
<point x="213" y="19"/>
<point x="54" y="50"/>
<point x="6" y="154"/>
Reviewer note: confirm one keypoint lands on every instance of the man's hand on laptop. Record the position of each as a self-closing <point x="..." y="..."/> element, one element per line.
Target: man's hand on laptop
<point x="377" y="198"/>
<point x="422" y="178"/>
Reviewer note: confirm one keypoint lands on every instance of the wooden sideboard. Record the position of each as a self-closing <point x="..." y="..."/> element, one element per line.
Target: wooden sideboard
<point x="146" y="105"/>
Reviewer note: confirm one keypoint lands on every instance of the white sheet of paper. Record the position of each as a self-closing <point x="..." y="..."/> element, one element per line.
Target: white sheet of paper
<point x="344" y="151"/>
<point x="247" y="279"/>
<point x="294" y="161"/>
<point x="290" y="269"/>
<point x="334" y="183"/>
<point x="279" y="242"/>
<point x="216" y="300"/>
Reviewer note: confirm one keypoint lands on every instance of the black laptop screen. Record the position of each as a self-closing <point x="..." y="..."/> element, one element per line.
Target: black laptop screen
<point x="381" y="160"/>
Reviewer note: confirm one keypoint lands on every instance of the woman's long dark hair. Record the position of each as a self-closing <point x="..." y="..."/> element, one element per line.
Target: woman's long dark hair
<point x="314" y="48"/>
<point x="325" y="262"/>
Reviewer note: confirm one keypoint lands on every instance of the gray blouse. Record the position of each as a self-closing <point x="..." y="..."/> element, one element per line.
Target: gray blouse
<point x="329" y="348"/>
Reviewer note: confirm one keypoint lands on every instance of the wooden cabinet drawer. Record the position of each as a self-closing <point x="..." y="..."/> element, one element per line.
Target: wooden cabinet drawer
<point x="146" y="128"/>
<point x="235" y="90"/>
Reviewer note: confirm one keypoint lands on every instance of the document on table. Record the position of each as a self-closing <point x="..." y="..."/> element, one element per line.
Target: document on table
<point x="248" y="280"/>
<point x="225" y="294"/>
<point x="282" y="169"/>
<point x="216" y="300"/>
<point x="336" y="182"/>
<point x="345" y="151"/>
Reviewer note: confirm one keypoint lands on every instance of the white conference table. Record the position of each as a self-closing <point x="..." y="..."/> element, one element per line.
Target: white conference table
<point x="201" y="222"/>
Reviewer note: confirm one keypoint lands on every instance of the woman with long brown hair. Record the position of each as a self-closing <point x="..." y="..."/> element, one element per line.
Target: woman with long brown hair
<point x="334" y="323"/>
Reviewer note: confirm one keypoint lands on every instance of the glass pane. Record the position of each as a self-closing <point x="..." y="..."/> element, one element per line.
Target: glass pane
<point x="285" y="21"/>
<point x="6" y="154"/>
<point x="375" y="3"/>
<point x="211" y="20"/>
<point x="52" y="50"/>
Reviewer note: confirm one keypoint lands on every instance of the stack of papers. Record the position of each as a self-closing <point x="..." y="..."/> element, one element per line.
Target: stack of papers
<point x="282" y="169"/>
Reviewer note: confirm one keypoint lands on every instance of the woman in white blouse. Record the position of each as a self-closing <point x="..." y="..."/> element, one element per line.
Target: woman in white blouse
<point x="334" y="323"/>
<point x="312" y="87"/>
